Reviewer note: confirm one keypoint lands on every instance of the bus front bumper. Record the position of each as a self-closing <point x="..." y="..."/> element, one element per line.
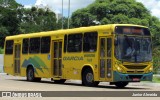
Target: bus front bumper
<point x="119" y="77"/>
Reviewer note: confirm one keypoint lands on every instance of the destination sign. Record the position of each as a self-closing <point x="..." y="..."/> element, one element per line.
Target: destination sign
<point x="132" y="30"/>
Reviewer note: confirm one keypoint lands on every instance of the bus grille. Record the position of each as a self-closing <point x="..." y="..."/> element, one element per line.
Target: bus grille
<point x="135" y="71"/>
<point x="135" y="67"/>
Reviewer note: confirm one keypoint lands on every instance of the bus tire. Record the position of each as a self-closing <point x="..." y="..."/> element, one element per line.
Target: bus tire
<point x="88" y="78"/>
<point x="30" y="74"/>
<point x="121" y="84"/>
<point x="61" y="81"/>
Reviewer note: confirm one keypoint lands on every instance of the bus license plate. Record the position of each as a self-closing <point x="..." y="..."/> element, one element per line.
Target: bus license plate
<point x="136" y="79"/>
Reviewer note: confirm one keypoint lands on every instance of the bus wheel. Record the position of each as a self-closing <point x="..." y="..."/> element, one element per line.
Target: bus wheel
<point x="88" y="78"/>
<point x="30" y="74"/>
<point x="121" y="84"/>
<point x="60" y="81"/>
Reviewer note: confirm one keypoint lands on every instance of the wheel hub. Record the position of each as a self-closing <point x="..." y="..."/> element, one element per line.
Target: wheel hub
<point x="89" y="77"/>
<point x="30" y="74"/>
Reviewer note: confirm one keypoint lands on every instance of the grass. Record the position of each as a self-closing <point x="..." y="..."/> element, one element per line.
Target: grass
<point x="156" y="79"/>
<point x="1" y="51"/>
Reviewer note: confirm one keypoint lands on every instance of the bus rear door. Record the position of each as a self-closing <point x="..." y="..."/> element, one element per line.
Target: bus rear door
<point x="17" y="49"/>
<point x="57" y="58"/>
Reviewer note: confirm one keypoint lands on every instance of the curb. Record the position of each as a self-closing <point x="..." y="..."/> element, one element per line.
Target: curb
<point x="152" y="84"/>
<point x="2" y="73"/>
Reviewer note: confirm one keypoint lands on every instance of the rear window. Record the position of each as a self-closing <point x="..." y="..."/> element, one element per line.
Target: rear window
<point x="9" y="47"/>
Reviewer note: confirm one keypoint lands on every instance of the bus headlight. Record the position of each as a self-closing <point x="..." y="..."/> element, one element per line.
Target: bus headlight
<point x="151" y="69"/>
<point x="119" y="69"/>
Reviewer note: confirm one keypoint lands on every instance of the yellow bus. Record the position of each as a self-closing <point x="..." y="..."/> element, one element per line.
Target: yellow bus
<point x="115" y="53"/>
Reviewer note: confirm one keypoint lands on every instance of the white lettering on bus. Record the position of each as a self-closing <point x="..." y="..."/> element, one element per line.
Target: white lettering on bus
<point x="75" y="58"/>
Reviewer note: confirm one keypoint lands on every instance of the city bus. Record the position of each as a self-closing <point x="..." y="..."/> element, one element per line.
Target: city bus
<point x="114" y="53"/>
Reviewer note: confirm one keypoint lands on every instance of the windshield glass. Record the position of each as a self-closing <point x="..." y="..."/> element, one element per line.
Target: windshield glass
<point x="133" y="48"/>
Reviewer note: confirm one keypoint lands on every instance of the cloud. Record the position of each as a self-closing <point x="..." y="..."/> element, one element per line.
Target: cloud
<point x="56" y="5"/>
<point x="153" y="6"/>
<point x="28" y="6"/>
<point x="156" y="12"/>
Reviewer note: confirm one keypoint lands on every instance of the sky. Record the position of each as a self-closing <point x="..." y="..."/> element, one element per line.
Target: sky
<point x="56" y="5"/>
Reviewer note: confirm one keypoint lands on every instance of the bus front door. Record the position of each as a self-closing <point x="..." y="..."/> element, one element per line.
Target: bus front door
<point x="57" y="58"/>
<point x="106" y="58"/>
<point x="17" y="49"/>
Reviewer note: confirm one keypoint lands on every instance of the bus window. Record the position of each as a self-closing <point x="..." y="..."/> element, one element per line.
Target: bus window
<point x="65" y="43"/>
<point x="34" y="45"/>
<point x="25" y="46"/>
<point x="109" y="47"/>
<point x="90" y="42"/>
<point x="74" y="42"/>
<point x="9" y="47"/>
<point x="45" y="44"/>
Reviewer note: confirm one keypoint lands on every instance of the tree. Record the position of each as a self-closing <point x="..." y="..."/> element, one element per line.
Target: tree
<point x="112" y="11"/>
<point x="37" y="20"/>
<point x="120" y="11"/>
<point x="12" y="4"/>
<point x="8" y="18"/>
<point x="65" y="23"/>
<point x="82" y="18"/>
<point x="15" y="19"/>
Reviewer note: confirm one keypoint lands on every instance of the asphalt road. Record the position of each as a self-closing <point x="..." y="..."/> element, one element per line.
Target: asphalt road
<point x="15" y="83"/>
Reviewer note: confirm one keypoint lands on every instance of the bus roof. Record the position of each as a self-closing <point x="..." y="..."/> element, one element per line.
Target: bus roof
<point x="70" y="31"/>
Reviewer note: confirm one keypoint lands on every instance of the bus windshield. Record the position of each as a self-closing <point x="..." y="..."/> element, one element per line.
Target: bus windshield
<point x="133" y="48"/>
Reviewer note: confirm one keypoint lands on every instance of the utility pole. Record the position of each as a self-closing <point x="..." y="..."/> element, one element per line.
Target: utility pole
<point x="68" y="13"/>
<point x="62" y="14"/>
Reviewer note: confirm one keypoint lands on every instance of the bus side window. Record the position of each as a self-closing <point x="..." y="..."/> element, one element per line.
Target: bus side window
<point x="74" y="42"/>
<point x="45" y="44"/>
<point x="34" y="45"/>
<point x="25" y="46"/>
<point x="65" y="43"/>
<point x="90" y="42"/>
<point x="9" y="47"/>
